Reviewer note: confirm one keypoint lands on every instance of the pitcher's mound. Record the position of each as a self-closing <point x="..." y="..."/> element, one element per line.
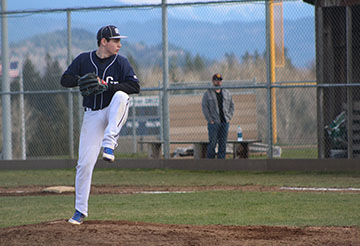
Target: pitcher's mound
<point x="129" y="233"/>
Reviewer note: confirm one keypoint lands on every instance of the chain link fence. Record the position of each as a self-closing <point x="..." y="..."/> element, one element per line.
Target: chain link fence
<point x="204" y="38"/>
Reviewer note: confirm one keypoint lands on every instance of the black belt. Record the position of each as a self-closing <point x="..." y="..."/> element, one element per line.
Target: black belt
<point x="90" y="109"/>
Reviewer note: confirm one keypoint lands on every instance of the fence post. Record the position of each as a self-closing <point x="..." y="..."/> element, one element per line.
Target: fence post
<point x="160" y="109"/>
<point x="166" y="124"/>
<point x="70" y="95"/>
<point x="349" y="78"/>
<point x="268" y="79"/>
<point x="22" y="116"/>
<point x="321" y="134"/>
<point x="6" y="98"/>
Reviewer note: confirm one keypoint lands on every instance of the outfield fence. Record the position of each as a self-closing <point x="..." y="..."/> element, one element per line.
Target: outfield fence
<point x="175" y="48"/>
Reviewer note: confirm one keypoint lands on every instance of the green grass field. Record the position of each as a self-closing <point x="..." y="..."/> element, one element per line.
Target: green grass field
<point x="289" y="152"/>
<point x="206" y="207"/>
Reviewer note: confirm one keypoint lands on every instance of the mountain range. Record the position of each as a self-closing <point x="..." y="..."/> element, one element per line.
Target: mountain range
<point x="210" y="40"/>
<point x="208" y="30"/>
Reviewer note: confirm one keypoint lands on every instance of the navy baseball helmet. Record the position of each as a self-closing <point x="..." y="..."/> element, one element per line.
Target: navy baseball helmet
<point x="109" y="32"/>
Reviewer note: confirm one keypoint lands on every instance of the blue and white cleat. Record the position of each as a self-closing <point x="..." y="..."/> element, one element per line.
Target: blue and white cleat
<point x="108" y="155"/>
<point x="77" y="219"/>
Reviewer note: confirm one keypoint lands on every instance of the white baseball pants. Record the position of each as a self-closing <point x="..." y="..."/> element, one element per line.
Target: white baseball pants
<point x="99" y="129"/>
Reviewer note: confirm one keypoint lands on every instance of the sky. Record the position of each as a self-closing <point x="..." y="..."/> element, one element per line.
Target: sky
<point x="248" y="11"/>
<point x="217" y="14"/>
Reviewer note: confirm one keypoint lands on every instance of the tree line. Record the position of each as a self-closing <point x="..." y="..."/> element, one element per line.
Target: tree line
<point x="46" y="114"/>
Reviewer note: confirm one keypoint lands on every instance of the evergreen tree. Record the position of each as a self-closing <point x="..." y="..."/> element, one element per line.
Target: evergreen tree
<point x="246" y="57"/>
<point x="49" y="119"/>
<point x="188" y="66"/>
<point x="53" y="72"/>
<point x="257" y="57"/>
<point x="173" y="68"/>
<point x="199" y="64"/>
<point x="31" y="77"/>
<point x="54" y="111"/>
<point x="134" y="65"/>
<point x="288" y="62"/>
<point x="230" y="60"/>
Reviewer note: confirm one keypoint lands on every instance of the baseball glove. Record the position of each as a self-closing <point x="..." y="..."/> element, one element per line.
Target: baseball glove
<point x="91" y="84"/>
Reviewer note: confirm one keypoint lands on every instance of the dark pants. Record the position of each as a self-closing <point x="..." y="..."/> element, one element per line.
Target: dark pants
<point x="218" y="133"/>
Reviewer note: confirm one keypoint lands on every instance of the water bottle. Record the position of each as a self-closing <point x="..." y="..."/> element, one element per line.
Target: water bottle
<point x="239" y="134"/>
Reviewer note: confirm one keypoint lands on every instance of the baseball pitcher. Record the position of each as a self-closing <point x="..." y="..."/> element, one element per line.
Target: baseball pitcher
<point x="105" y="80"/>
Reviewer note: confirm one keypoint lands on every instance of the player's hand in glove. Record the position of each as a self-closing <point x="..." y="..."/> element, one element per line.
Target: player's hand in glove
<point x="90" y="84"/>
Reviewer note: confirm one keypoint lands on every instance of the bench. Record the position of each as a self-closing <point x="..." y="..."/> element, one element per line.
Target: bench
<point x="240" y="148"/>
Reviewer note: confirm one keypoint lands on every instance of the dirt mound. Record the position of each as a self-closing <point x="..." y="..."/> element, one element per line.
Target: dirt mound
<point x="138" y="233"/>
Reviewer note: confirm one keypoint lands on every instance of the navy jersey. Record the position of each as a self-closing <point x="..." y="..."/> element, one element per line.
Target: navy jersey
<point x="115" y="70"/>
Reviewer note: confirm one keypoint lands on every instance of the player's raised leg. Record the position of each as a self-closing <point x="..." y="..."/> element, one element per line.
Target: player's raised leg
<point x="117" y="114"/>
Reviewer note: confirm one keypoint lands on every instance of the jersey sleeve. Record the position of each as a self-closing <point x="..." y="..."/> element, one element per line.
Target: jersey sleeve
<point x="72" y="73"/>
<point x="129" y="82"/>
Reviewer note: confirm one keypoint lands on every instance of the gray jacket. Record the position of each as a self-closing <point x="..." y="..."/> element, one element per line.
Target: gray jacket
<point x="210" y="106"/>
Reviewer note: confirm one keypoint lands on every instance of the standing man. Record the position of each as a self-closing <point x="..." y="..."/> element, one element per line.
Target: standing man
<point x="218" y="109"/>
<point x="105" y="80"/>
